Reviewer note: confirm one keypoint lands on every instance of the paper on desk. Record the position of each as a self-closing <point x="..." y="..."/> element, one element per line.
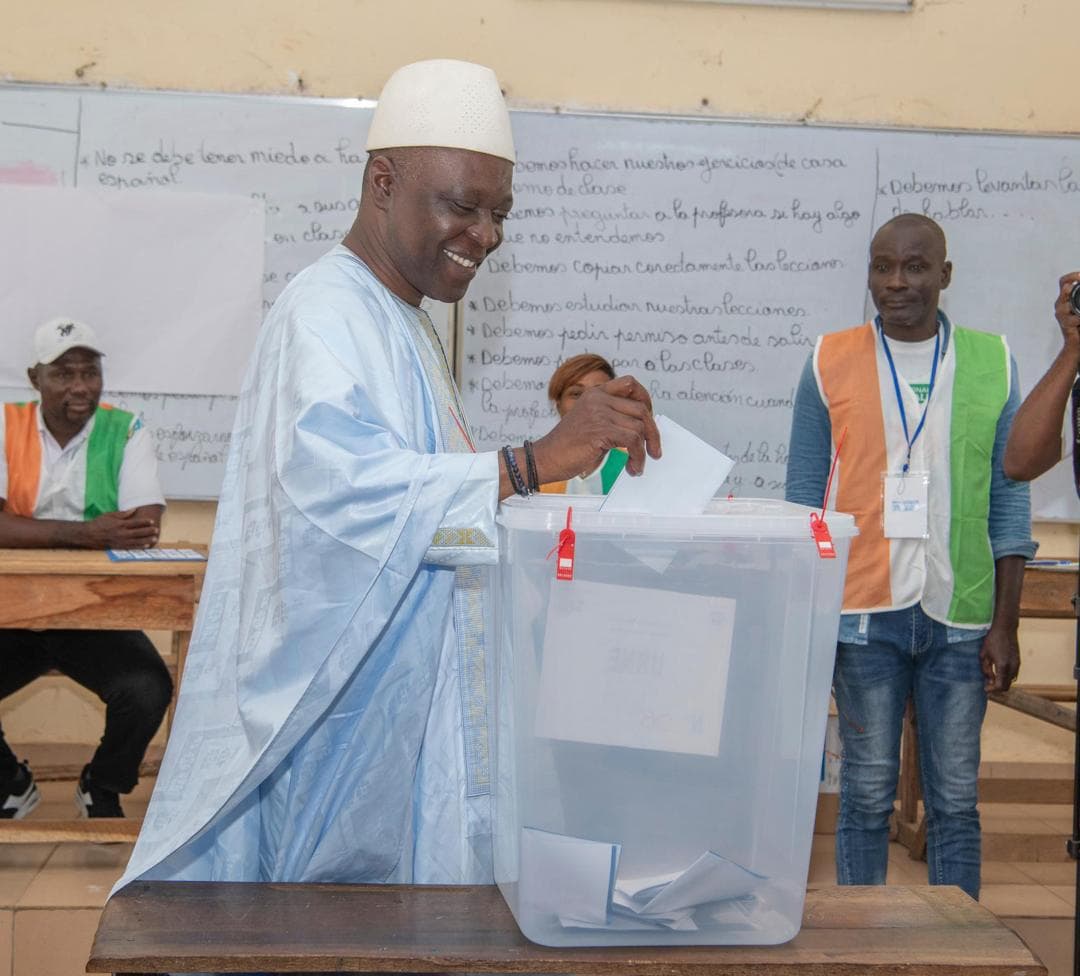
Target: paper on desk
<point x="679" y="483"/>
<point x="1054" y="565"/>
<point x="155" y="555"/>
<point x="568" y="876"/>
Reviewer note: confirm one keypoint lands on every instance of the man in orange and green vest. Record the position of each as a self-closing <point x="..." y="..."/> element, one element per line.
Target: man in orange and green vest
<point x="75" y="473"/>
<point x="932" y="596"/>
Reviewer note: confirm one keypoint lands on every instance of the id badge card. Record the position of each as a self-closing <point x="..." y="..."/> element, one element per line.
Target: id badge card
<point x="906" y="498"/>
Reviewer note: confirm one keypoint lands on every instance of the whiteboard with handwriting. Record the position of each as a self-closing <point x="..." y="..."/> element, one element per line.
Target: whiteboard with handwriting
<point x="302" y="157"/>
<point x="704" y="257"/>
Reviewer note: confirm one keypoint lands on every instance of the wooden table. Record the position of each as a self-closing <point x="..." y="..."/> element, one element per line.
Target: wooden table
<point x="158" y="927"/>
<point x="85" y="590"/>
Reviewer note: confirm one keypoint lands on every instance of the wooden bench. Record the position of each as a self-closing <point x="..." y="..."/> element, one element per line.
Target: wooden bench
<point x="182" y="927"/>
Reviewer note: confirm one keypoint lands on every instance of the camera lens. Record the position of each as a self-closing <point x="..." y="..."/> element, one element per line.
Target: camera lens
<point x="1074" y="298"/>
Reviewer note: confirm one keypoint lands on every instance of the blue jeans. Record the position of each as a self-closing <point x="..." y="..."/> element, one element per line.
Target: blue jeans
<point x="906" y="654"/>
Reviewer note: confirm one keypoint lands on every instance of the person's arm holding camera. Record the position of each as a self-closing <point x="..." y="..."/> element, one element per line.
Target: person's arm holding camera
<point x="1034" y="445"/>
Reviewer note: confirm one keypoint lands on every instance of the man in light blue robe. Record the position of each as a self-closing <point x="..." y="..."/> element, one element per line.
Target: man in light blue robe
<point x="333" y="717"/>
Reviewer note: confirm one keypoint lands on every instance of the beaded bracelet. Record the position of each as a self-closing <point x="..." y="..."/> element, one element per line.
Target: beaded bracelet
<point x="514" y="472"/>
<point x="530" y="467"/>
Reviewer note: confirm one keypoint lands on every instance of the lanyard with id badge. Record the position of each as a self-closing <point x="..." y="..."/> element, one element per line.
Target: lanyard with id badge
<point x="906" y="494"/>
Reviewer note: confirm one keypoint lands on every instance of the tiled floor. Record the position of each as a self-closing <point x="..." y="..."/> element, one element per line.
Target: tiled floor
<point x="1016" y="889"/>
<point x="51" y="895"/>
<point x="1034" y="898"/>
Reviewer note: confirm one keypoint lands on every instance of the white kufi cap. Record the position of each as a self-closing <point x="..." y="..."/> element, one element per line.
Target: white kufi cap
<point x="55" y="337"/>
<point x="443" y="103"/>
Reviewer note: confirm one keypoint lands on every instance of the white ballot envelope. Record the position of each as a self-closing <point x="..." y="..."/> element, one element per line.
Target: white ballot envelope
<point x="568" y="876"/>
<point x="679" y="483"/>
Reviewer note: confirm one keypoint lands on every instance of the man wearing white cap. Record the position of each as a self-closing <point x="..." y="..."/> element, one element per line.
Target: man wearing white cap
<point x="75" y="473"/>
<point x="333" y="722"/>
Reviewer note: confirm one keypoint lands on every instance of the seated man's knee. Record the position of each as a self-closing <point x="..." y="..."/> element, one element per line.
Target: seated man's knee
<point x="147" y="691"/>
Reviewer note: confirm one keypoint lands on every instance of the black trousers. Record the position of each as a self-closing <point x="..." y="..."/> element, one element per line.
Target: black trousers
<point x="121" y="667"/>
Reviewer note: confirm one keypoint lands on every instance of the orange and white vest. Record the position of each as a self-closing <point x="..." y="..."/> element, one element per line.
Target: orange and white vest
<point x="103" y="458"/>
<point x="951" y="573"/>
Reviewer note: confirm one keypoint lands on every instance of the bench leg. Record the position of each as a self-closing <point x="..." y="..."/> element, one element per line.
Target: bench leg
<point x="910" y="827"/>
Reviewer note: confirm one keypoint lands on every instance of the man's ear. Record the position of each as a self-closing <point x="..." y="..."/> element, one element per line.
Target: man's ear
<point x="32" y="375"/>
<point x="946" y="274"/>
<point x="381" y="179"/>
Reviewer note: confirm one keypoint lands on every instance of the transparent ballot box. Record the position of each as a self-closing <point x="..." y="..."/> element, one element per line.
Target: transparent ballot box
<point x="660" y="719"/>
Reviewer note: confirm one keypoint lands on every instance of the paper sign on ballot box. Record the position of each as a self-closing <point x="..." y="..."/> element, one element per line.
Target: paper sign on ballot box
<point x="634" y="667"/>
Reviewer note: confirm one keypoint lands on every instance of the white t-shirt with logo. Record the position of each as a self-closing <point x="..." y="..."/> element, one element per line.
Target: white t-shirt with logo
<point x="914" y="363"/>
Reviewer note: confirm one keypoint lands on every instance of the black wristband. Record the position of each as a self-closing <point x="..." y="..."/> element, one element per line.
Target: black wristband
<point x="530" y="467"/>
<point x="514" y="472"/>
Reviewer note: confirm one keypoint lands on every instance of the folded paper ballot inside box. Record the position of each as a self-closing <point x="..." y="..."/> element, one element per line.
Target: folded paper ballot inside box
<point x="568" y="876"/>
<point x="578" y="880"/>
<point x="710" y="878"/>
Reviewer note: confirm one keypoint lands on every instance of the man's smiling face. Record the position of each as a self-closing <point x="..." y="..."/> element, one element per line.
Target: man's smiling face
<point x="446" y="217"/>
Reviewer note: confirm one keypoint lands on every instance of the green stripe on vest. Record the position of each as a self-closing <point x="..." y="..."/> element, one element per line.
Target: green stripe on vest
<point x="980" y="391"/>
<point x="104" y="455"/>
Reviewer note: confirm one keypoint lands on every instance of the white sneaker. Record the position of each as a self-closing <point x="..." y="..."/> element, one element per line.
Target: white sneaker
<point x="21" y="797"/>
<point x="93" y="801"/>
